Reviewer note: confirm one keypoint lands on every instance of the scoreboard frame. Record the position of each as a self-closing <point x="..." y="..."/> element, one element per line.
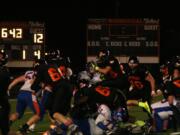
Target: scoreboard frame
<point x="22" y="41"/>
<point x="139" y="37"/>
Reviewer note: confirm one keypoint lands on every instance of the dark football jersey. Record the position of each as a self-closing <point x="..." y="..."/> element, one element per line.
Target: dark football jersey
<point x="137" y="77"/>
<point x="173" y="88"/>
<point x="103" y="95"/>
<point x="115" y="67"/>
<point x="48" y="74"/>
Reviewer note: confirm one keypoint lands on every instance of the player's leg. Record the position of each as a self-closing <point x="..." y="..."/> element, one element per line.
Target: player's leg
<point x="63" y="95"/>
<point x="45" y="103"/>
<point x="20" y="107"/>
<point x="33" y="104"/>
<point x="161" y="115"/>
<point x="60" y="110"/>
<point x="4" y="120"/>
<point x="133" y="97"/>
<point x="43" y="106"/>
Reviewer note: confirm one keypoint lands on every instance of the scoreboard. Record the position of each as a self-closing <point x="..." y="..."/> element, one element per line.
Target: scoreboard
<point x="22" y="41"/>
<point x="125" y="37"/>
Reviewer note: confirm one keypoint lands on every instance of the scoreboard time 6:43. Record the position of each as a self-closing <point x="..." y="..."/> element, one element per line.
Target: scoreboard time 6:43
<point x="22" y="41"/>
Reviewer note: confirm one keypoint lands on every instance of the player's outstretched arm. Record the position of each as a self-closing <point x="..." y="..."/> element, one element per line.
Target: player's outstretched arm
<point x="16" y="81"/>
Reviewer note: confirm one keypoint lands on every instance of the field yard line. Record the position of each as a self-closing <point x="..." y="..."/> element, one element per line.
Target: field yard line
<point x="28" y="113"/>
<point x="175" y="133"/>
<point x="12" y="100"/>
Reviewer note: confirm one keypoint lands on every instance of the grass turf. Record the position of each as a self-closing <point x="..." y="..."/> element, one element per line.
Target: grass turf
<point x="44" y="124"/>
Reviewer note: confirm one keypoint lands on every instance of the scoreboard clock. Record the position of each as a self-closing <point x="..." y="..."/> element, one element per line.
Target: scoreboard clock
<point x="125" y="37"/>
<point x="22" y="41"/>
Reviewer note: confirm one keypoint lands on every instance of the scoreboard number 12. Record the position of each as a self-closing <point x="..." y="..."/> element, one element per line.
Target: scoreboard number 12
<point x="38" y="38"/>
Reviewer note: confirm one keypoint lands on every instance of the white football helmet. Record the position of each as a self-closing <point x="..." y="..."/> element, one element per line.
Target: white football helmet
<point x="104" y="114"/>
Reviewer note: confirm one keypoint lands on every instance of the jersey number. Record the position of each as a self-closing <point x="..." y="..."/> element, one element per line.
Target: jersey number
<point x="177" y="83"/>
<point x="105" y="91"/>
<point x="138" y="84"/>
<point x="53" y="73"/>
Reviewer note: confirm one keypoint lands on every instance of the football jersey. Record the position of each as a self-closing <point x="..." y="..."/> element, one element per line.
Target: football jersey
<point x="115" y="67"/>
<point x="29" y="77"/>
<point x="173" y="88"/>
<point x="137" y="77"/>
<point x="49" y="75"/>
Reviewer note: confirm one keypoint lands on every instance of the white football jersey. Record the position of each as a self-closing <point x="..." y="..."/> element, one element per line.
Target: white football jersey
<point x="29" y="77"/>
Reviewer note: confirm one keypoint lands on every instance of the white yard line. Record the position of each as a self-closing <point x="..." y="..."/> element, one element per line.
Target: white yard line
<point x="12" y="100"/>
<point x="175" y="133"/>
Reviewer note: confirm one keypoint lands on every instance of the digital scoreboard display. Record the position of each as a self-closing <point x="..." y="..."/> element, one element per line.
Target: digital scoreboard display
<point x="22" y="41"/>
<point x="124" y="37"/>
<point x="22" y="32"/>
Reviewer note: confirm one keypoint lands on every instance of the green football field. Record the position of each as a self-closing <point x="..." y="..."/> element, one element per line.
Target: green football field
<point x="44" y="124"/>
<point x="40" y="127"/>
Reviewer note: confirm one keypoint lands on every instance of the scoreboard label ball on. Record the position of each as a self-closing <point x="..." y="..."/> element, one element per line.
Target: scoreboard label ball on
<point x="124" y="37"/>
<point x="22" y="41"/>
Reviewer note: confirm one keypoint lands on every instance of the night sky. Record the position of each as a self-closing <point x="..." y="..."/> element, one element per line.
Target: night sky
<point x="66" y="23"/>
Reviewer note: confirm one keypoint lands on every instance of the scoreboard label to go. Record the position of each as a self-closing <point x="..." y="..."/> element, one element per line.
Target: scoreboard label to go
<point x="124" y="37"/>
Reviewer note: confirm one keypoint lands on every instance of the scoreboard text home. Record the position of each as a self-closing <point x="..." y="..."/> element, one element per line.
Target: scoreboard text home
<point x="22" y="41"/>
<point x="125" y="37"/>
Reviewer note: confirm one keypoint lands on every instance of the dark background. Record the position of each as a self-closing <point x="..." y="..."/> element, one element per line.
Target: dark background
<point x="66" y="22"/>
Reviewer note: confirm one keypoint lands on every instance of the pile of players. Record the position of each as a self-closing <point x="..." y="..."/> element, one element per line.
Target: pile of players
<point x="96" y="100"/>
